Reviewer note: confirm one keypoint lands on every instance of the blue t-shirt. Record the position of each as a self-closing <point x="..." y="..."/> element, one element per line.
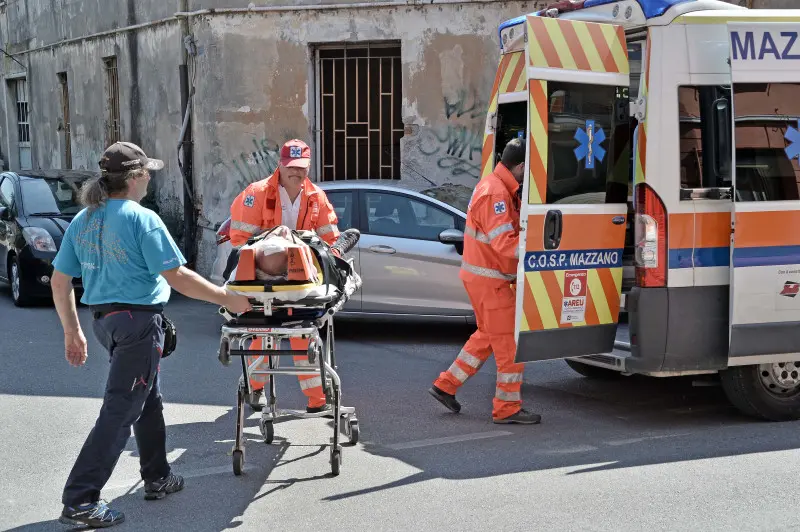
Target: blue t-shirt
<point x="124" y="264"/>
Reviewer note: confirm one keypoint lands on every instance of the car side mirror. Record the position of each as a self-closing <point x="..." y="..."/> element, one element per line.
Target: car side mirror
<point x="451" y="236"/>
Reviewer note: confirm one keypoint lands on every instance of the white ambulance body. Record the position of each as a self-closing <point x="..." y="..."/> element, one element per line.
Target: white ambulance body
<point x="663" y="186"/>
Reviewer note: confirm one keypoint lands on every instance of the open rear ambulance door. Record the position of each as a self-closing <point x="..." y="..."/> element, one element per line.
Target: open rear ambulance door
<point x="765" y="242"/>
<point x="574" y="197"/>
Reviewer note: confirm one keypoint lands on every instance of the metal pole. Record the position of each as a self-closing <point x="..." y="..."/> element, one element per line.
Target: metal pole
<point x="186" y="144"/>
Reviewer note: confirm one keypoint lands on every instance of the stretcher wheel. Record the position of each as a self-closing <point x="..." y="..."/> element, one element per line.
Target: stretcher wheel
<point x="352" y="430"/>
<point x="238" y="462"/>
<point x="336" y="461"/>
<point x="223" y="354"/>
<point x="267" y="430"/>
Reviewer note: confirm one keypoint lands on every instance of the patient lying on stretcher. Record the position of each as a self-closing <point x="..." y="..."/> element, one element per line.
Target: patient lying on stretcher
<point x="281" y="256"/>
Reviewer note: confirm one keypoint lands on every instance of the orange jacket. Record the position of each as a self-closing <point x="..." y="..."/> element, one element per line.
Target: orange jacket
<point x="258" y="208"/>
<point x="491" y="237"/>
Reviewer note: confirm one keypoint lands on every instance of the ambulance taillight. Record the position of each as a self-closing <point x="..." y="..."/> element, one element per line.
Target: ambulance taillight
<point x="650" y="238"/>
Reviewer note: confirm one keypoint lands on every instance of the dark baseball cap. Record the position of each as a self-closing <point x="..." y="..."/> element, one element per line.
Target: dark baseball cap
<point x="124" y="156"/>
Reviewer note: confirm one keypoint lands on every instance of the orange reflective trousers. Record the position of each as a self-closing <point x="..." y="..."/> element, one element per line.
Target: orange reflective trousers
<point x="494" y="306"/>
<point x="310" y="384"/>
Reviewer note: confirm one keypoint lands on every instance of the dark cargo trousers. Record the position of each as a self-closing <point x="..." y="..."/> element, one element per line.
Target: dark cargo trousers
<point x="134" y="340"/>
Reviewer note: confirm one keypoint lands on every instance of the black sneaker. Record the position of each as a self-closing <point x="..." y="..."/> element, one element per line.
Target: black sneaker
<point x="159" y="489"/>
<point x="449" y="401"/>
<point x="523" y="417"/>
<point x="317" y="409"/>
<point x="93" y="514"/>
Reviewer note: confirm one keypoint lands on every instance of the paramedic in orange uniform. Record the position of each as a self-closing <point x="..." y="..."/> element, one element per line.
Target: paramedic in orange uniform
<point x="488" y="268"/>
<point x="287" y="197"/>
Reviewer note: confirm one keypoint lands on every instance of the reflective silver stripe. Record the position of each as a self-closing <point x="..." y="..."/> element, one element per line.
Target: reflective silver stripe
<point x="477" y="235"/>
<point x="315" y="382"/>
<point x="242" y="226"/>
<point x="487" y="272"/>
<point x="509" y="378"/>
<point x="325" y="229"/>
<point x="499" y="230"/>
<point x="494" y="233"/>
<point x="508" y="396"/>
<point x="302" y="362"/>
<point x="471" y="360"/>
<point x="458" y="373"/>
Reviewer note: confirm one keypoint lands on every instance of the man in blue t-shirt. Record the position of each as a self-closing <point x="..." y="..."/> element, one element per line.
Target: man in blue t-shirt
<point x="128" y="262"/>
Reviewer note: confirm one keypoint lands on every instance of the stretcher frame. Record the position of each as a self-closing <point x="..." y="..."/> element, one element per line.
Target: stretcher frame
<point x="261" y="323"/>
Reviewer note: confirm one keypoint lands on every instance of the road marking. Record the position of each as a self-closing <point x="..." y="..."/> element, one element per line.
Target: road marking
<point x="630" y="441"/>
<point x="448" y="439"/>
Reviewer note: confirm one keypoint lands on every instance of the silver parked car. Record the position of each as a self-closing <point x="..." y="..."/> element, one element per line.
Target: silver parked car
<point x="409" y="254"/>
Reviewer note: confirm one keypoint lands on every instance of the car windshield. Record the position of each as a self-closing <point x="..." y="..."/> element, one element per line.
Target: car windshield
<point x="457" y="196"/>
<point x="50" y="196"/>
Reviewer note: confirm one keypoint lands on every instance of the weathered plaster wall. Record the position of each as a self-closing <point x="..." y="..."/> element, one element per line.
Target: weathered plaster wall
<point x="258" y="90"/>
<point x="149" y="99"/>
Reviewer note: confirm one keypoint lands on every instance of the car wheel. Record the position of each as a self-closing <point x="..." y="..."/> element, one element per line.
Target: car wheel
<point x="18" y="292"/>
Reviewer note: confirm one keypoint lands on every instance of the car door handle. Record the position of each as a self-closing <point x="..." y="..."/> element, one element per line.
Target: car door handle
<point x="553" y="225"/>
<point x="386" y="250"/>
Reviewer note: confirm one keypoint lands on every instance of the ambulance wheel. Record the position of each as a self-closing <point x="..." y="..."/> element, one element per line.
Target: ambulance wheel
<point x="593" y="372"/>
<point x="766" y="391"/>
<point x="238" y="462"/>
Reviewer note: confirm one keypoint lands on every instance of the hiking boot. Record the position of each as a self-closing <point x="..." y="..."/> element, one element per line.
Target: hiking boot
<point x="317" y="409"/>
<point x="158" y="489"/>
<point x="523" y="417"/>
<point x="449" y="401"/>
<point x="93" y="514"/>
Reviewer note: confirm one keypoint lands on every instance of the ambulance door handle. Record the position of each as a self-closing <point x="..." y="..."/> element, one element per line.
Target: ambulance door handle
<point x="553" y="225"/>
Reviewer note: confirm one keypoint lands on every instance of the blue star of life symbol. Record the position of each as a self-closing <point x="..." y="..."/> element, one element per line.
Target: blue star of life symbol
<point x="295" y="152"/>
<point x="589" y="142"/>
<point x="793" y="136"/>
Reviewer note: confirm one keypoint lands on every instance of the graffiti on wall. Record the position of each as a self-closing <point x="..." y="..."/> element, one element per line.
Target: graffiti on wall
<point x="253" y="165"/>
<point x="457" y="145"/>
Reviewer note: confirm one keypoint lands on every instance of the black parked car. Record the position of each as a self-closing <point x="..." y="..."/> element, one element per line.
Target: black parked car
<point x="36" y="208"/>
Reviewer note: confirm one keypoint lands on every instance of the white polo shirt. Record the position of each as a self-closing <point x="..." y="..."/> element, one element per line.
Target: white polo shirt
<point x="289" y="211"/>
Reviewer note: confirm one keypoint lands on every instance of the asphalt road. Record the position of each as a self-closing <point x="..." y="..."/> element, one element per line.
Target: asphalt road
<point x="636" y="454"/>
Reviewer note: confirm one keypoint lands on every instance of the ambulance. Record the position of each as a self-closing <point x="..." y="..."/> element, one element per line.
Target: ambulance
<point x="660" y="212"/>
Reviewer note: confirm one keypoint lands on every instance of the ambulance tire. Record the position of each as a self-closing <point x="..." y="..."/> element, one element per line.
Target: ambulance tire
<point x="744" y="389"/>
<point x="593" y="372"/>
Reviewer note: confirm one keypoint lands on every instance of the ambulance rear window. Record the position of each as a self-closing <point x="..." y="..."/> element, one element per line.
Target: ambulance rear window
<point x="767" y="141"/>
<point x="589" y="143"/>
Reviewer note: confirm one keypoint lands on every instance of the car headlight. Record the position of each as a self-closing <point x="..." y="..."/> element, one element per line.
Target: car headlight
<point x="39" y="239"/>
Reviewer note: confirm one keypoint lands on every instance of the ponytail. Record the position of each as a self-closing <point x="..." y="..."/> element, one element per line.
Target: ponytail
<point x="94" y="193"/>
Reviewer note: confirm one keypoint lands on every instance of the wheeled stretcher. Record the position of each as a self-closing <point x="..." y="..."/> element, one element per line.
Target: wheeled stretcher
<point x="292" y="310"/>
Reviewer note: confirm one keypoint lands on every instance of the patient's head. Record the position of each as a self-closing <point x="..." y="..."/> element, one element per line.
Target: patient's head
<point x="275" y="264"/>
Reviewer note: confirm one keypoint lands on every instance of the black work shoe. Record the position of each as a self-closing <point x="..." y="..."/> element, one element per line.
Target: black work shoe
<point x="523" y="417"/>
<point x="317" y="409"/>
<point x="449" y="401"/>
<point x="158" y="489"/>
<point x="94" y="514"/>
<point x="257" y="400"/>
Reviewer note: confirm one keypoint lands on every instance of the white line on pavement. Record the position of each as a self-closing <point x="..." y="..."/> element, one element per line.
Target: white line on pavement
<point x="448" y="439"/>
